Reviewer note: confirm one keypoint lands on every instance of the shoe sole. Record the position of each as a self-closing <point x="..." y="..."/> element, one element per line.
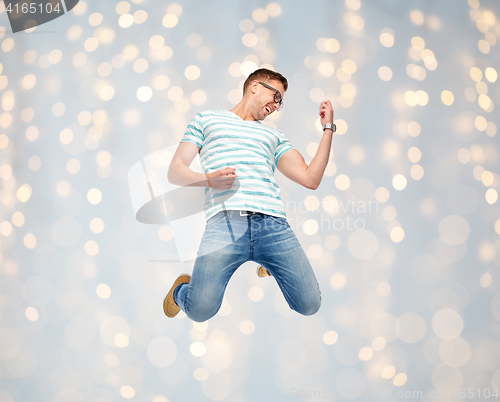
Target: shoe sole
<point x="170" y="307"/>
<point x="262" y="272"/>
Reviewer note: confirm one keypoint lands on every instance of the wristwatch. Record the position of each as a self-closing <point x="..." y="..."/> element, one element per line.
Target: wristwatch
<point x="333" y="127"/>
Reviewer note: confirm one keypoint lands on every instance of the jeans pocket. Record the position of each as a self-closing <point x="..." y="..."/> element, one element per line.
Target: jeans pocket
<point x="216" y="219"/>
<point x="280" y="220"/>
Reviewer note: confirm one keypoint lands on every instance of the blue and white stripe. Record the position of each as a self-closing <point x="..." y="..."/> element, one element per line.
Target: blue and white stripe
<point x="253" y="149"/>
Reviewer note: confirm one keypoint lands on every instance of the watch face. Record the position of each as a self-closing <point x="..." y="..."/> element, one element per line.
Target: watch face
<point x="331" y="126"/>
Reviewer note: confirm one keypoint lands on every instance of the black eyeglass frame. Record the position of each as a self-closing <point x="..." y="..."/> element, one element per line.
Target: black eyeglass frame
<point x="277" y="95"/>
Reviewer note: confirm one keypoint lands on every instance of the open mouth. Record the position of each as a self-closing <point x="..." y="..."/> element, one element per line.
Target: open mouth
<point x="268" y="109"/>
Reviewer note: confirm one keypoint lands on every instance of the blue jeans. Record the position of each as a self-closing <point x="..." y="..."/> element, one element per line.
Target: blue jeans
<point x="230" y="240"/>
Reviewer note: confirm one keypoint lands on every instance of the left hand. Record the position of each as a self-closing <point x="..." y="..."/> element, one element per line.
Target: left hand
<point x="326" y="112"/>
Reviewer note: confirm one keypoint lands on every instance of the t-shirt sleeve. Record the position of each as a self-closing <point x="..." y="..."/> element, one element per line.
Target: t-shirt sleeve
<point x="195" y="131"/>
<point x="284" y="145"/>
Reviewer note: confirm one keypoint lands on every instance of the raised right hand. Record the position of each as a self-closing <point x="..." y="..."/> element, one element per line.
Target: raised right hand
<point x="223" y="178"/>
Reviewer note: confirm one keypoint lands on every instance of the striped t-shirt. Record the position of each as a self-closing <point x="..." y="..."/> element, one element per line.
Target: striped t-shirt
<point x="253" y="149"/>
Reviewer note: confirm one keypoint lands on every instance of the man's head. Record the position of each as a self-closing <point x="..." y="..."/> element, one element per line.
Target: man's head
<point x="264" y="75"/>
<point x="263" y="91"/>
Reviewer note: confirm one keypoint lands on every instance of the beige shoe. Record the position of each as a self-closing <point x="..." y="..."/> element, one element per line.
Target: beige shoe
<point x="170" y="307"/>
<point x="262" y="272"/>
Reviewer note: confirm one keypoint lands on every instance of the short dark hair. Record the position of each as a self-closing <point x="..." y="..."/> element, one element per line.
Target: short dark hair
<point x="263" y="74"/>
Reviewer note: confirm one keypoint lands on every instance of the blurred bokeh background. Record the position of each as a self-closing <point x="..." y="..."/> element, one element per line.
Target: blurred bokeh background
<point x="403" y="233"/>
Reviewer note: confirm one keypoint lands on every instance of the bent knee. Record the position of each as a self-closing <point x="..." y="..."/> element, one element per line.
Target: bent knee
<point x="201" y="314"/>
<point x="197" y="317"/>
<point x="310" y="307"/>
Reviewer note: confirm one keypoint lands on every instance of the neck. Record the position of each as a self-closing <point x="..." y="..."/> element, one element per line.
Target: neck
<point x="242" y="110"/>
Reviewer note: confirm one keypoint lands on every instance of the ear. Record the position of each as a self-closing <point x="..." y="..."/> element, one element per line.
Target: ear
<point x="254" y="85"/>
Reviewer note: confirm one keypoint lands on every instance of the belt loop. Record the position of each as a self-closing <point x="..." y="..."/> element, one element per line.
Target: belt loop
<point x="231" y="213"/>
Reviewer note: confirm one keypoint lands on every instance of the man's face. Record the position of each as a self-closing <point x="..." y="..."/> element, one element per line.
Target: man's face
<point x="268" y="97"/>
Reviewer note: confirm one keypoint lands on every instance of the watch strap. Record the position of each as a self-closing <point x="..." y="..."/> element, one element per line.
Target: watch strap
<point x="333" y="127"/>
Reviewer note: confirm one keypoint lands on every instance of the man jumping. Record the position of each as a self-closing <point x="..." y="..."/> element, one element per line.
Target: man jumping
<point x="245" y="215"/>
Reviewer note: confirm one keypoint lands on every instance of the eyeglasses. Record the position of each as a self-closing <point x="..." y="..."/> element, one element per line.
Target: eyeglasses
<point x="277" y="95"/>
